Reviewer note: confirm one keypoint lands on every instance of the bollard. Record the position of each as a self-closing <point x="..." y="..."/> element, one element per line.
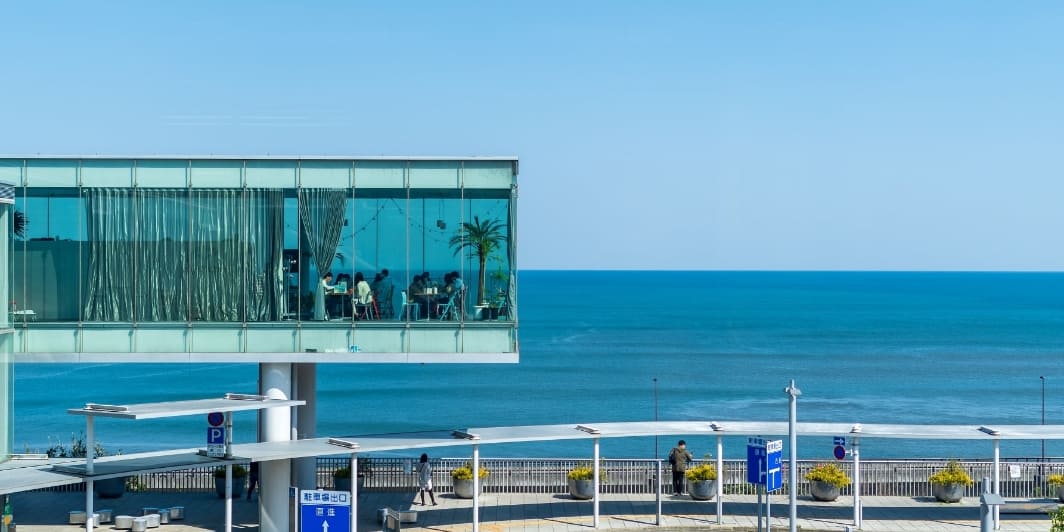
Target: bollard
<point x="986" y="503"/>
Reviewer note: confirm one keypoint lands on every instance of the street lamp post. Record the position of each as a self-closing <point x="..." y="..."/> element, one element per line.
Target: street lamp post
<point x="655" y="417"/>
<point x="1043" y="379"/>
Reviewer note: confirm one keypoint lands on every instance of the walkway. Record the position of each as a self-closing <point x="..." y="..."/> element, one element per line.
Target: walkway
<point x="517" y="512"/>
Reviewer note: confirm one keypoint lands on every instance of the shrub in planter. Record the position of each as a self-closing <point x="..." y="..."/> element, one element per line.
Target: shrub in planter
<point x="949" y="483"/>
<point x="581" y="481"/>
<point x="825" y="481"/>
<point x="462" y="477"/>
<point x="240" y="474"/>
<point x="702" y="482"/>
<point x="1056" y="480"/>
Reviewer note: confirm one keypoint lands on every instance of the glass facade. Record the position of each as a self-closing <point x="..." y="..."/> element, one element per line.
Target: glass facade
<point x="232" y="254"/>
<point x="7" y="367"/>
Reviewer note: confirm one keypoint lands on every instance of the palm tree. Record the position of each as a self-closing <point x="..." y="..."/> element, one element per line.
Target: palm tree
<point x="482" y="238"/>
<point x="20" y="224"/>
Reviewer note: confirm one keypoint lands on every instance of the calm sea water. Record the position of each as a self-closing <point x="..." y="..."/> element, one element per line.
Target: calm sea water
<point x="864" y="347"/>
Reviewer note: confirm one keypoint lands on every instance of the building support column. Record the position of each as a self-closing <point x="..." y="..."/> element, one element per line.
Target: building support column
<point x="305" y="470"/>
<point x="275" y="382"/>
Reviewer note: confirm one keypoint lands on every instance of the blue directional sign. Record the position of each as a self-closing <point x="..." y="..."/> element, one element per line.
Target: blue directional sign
<point x="764" y="463"/>
<point x="755" y="460"/>
<point x="774" y="465"/>
<point x="324" y="511"/>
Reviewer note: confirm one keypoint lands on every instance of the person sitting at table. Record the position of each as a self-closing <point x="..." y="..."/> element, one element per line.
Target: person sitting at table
<point x="415" y="293"/>
<point x="324" y="287"/>
<point x="383" y="293"/>
<point x="363" y="296"/>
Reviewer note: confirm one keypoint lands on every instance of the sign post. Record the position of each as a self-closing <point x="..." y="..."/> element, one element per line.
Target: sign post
<point x="764" y="468"/>
<point x="324" y="511"/>
<point x="216" y="435"/>
<point x="840" y="448"/>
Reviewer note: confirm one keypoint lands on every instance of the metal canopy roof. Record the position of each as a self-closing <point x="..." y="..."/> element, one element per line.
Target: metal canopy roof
<point x="118" y="466"/>
<point x="230" y="403"/>
<point x="39" y="474"/>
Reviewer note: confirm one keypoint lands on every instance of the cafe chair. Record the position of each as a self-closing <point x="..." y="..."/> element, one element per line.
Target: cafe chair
<point x="407" y="304"/>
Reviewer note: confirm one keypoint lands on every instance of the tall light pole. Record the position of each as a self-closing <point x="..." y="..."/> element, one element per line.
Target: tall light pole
<point x="655" y="417"/>
<point x="1043" y="378"/>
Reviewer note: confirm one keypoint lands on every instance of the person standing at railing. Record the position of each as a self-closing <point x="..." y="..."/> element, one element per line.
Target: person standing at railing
<point x="679" y="457"/>
<point x="424" y="479"/>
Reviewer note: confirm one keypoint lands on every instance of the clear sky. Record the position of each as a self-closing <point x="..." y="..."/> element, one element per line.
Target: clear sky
<point x="652" y="135"/>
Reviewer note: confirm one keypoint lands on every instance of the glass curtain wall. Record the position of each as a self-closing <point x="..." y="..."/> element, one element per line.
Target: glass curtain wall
<point x="7" y="397"/>
<point x="120" y="255"/>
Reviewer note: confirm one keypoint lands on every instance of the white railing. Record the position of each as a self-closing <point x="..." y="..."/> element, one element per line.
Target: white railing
<point x="1020" y="478"/>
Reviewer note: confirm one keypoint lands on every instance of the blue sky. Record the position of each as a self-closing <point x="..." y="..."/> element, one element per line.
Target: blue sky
<point x="673" y="135"/>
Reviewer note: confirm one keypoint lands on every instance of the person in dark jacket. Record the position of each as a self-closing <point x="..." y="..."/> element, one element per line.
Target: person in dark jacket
<point x="679" y="457"/>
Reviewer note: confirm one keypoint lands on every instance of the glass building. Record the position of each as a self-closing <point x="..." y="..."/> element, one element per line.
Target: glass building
<point x="149" y="257"/>
<point x="7" y="399"/>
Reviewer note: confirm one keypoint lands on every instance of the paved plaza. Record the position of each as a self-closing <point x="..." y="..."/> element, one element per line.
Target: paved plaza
<point x="47" y="512"/>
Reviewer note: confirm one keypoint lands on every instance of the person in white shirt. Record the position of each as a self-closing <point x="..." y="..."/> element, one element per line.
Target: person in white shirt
<point x="324" y="287"/>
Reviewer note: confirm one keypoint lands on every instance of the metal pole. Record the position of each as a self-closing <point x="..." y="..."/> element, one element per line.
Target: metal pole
<point x="595" y="473"/>
<point x="476" y="488"/>
<point x="997" y="481"/>
<point x="1043" y="378"/>
<point x="229" y="496"/>
<point x="90" y="452"/>
<point x="986" y="516"/>
<point x="657" y="493"/>
<point x="354" y="492"/>
<point x="720" y="479"/>
<point x="857" y="482"/>
<point x="768" y="510"/>
<point x="758" y="487"/>
<point x="792" y="434"/>
<point x="656" y="418"/>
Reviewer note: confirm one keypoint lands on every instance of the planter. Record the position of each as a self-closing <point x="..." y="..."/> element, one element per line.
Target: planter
<point x="344" y="483"/>
<point x="949" y="492"/>
<point x="110" y="488"/>
<point x="702" y="490"/>
<point x="463" y="489"/>
<point x="238" y="486"/>
<point x="823" y="491"/>
<point x="1060" y="493"/>
<point x="582" y="489"/>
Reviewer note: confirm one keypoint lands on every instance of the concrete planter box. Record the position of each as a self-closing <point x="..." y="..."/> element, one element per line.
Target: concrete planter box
<point x="238" y="486"/>
<point x="823" y="491"/>
<point x="702" y="490"/>
<point x="463" y="489"/>
<point x="110" y="488"/>
<point x="1060" y="493"/>
<point x="582" y="489"/>
<point x="949" y="492"/>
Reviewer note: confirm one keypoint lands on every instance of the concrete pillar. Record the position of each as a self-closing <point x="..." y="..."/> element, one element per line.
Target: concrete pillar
<point x="275" y="382"/>
<point x="304" y="470"/>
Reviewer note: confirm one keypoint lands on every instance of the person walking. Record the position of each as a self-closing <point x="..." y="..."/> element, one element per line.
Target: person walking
<point x="253" y="478"/>
<point x="424" y="479"/>
<point x="679" y="457"/>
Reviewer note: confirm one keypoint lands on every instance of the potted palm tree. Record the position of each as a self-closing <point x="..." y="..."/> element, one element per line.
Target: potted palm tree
<point x="825" y="481"/>
<point x="949" y="483"/>
<point x="702" y="481"/>
<point x="581" y="481"/>
<point x="462" y="478"/>
<point x="481" y="238"/>
<point x="240" y="474"/>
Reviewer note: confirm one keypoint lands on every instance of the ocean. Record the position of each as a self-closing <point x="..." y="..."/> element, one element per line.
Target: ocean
<point x="868" y="347"/>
